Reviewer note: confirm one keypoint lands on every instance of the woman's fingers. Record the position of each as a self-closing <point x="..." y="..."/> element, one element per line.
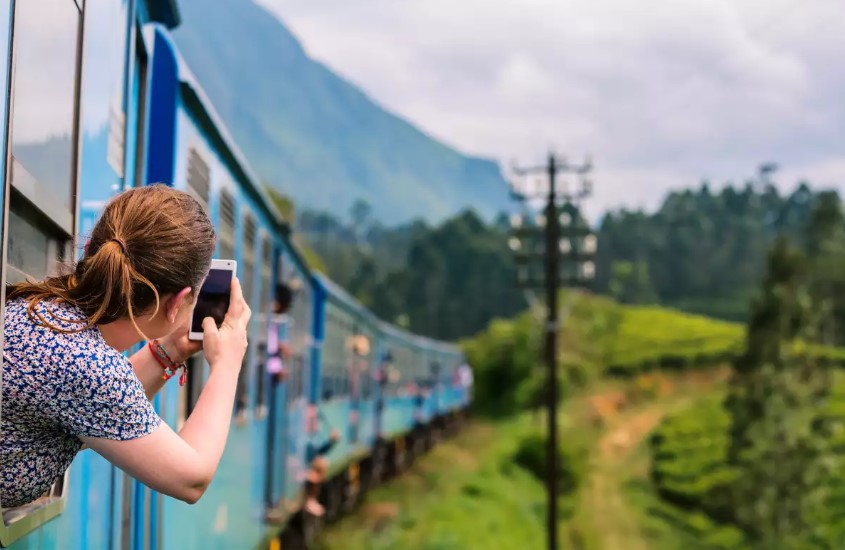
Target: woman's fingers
<point x="211" y="335"/>
<point x="239" y="313"/>
<point x="236" y="300"/>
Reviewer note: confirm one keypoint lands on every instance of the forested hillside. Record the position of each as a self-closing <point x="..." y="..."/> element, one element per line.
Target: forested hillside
<point x="701" y="251"/>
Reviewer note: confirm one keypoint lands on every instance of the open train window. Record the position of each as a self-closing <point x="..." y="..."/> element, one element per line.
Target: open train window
<point x="40" y="168"/>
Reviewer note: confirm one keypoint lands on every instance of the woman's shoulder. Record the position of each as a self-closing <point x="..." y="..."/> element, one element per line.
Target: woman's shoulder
<point x="43" y="314"/>
<point x="28" y="335"/>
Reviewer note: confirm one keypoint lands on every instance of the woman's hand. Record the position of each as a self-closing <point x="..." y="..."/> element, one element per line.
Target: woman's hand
<point x="177" y="344"/>
<point x="225" y="347"/>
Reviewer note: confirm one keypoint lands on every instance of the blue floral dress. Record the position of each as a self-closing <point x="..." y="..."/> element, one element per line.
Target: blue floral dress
<point x="57" y="388"/>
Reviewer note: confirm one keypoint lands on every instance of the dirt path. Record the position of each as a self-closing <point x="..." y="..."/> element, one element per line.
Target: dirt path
<point x="603" y="505"/>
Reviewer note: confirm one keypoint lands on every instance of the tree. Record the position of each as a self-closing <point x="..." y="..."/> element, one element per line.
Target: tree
<point x="360" y="214"/>
<point x="630" y="283"/>
<point x="778" y="437"/>
<point x="705" y="251"/>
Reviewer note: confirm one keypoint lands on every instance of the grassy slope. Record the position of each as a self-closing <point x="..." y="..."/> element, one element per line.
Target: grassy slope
<point x="467" y="495"/>
<point x="464" y="494"/>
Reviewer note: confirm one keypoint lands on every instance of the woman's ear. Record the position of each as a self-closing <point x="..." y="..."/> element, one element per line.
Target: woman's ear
<point x="176" y="303"/>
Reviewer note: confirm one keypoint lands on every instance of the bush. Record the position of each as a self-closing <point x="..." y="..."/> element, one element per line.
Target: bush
<point x="531" y="456"/>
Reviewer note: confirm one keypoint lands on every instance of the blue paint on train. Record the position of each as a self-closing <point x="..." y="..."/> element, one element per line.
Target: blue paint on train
<point x="145" y="119"/>
<point x="161" y="157"/>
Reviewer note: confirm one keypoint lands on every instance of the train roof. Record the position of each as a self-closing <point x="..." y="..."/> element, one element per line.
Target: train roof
<point x="337" y="293"/>
<point x="200" y="105"/>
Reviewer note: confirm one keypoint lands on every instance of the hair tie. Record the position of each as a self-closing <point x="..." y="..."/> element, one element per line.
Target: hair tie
<point x="121" y="244"/>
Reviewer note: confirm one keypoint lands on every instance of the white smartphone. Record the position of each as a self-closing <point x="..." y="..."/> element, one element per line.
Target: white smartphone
<point x="213" y="298"/>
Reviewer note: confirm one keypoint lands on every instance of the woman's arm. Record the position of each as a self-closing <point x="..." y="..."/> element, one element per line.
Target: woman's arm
<point x="148" y="369"/>
<point x="182" y="465"/>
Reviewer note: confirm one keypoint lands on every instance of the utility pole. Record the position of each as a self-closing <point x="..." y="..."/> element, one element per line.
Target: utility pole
<point x="546" y="241"/>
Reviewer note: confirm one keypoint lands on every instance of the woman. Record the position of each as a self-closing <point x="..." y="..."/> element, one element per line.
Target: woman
<point x="65" y="381"/>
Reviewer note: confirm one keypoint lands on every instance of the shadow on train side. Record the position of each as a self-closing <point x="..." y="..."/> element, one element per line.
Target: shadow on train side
<point x="120" y="108"/>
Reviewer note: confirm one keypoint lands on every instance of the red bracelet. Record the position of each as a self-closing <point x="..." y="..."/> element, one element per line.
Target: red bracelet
<point x="169" y="365"/>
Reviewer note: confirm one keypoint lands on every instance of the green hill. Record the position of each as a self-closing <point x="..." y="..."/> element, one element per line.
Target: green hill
<point x="315" y="136"/>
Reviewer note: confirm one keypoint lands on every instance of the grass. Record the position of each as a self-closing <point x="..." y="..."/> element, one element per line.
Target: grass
<point x="690" y="472"/>
<point x="464" y="494"/>
<point x="612" y="504"/>
<point x="468" y="494"/>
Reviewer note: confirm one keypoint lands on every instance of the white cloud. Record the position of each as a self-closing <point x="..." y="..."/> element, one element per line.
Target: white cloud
<point x="662" y="93"/>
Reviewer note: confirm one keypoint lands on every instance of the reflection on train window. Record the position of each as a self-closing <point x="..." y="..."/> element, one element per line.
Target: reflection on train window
<point x="34" y="243"/>
<point x="45" y="69"/>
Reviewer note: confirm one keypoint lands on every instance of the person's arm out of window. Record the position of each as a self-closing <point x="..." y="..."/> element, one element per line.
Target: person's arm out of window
<point x="182" y="465"/>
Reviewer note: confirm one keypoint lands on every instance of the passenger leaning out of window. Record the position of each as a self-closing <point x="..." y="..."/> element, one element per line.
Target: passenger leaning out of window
<point x="66" y="382"/>
<point x="278" y="351"/>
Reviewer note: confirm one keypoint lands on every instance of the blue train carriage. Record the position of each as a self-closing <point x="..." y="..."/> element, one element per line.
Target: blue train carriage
<point x="289" y="402"/>
<point x="453" y="396"/>
<point x="258" y="485"/>
<point x="344" y="392"/>
<point x="440" y="393"/>
<point x="77" y="87"/>
<point x="403" y="399"/>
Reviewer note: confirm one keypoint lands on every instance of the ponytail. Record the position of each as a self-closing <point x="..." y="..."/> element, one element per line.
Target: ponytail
<point x="149" y="241"/>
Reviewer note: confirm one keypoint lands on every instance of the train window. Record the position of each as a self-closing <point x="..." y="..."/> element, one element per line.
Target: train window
<point x="199" y="176"/>
<point x="34" y="242"/>
<point x="46" y="60"/>
<point x="248" y="285"/>
<point x="226" y="236"/>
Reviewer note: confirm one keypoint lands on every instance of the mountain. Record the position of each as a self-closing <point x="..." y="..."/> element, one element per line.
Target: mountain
<point x="315" y="136"/>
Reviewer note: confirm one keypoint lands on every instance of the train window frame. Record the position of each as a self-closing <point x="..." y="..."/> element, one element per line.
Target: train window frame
<point x="17" y="522"/>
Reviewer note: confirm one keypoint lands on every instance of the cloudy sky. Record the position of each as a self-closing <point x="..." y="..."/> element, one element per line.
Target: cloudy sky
<point x="662" y="93"/>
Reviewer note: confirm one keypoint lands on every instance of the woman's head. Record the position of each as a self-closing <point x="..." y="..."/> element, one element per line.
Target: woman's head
<point x="151" y="243"/>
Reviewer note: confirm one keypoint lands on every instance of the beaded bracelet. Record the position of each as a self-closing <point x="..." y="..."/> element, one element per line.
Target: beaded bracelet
<point x="170" y="366"/>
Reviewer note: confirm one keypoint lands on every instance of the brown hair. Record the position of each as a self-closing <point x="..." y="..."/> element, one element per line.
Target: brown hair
<point x="150" y="241"/>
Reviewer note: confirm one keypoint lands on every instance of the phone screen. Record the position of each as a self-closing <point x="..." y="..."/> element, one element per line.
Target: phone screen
<point x="213" y="299"/>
